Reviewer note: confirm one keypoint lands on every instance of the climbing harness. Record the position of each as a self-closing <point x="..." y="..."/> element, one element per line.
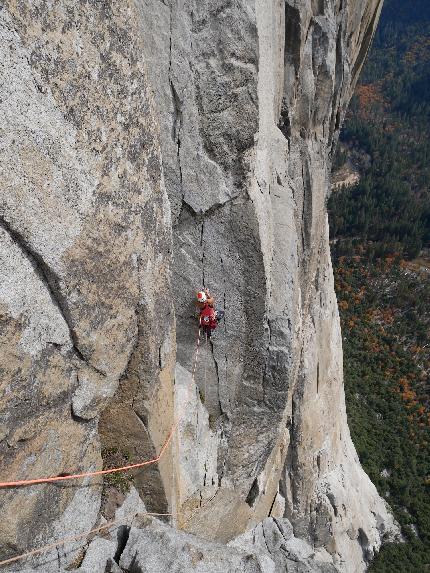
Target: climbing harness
<point x="208" y="320"/>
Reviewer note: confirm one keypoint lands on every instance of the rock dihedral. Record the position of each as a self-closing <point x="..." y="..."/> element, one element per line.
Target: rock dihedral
<point x="148" y="148"/>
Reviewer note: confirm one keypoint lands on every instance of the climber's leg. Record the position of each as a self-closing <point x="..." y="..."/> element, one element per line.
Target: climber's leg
<point x="219" y="313"/>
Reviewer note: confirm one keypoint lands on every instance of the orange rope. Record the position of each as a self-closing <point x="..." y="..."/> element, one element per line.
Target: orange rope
<point x="27" y="482"/>
<point x="72" y="538"/>
<point x="90" y="474"/>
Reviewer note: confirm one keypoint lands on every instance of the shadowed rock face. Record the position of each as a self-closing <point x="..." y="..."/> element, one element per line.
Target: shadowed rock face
<point x="245" y="99"/>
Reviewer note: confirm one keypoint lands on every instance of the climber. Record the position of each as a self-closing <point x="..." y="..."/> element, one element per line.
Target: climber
<point x="204" y="299"/>
<point x="209" y="316"/>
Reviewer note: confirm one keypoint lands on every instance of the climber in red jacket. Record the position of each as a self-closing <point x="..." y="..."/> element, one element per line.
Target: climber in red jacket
<point x="208" y="315"/>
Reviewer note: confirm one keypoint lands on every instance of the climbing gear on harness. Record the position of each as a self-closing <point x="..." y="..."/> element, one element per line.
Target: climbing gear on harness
<point x="208" y="318"/>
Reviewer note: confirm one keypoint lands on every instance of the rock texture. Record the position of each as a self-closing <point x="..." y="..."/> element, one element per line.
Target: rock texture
<point x="84" y="248"/>
<point x="144" y="544"/>
<point x="270" y="548"/>
<point x="251" y="97"/>
<point x="212" y="123"/>
<point x="147" y="545"/>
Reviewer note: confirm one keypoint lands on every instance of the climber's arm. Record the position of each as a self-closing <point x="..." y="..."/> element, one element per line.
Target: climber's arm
<point x="210" y="301"/>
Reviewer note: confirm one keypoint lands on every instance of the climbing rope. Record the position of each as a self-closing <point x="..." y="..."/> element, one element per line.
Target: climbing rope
<point x="110" y="524"/>
<point x="206" y="353"/>
<point x="28" y="482"/>
<point x="196" y="354"/>
<point x="71" y="538"/>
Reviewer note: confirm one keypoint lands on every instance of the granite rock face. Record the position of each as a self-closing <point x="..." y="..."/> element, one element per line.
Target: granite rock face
<point x="84" y="246"/>
<point x="270" y="548"/>
<point x="149" y="148"/>
<point x="251" y="97"/>
<point x="147" y="545"/>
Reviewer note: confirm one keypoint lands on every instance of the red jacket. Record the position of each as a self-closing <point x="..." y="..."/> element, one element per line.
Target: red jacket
<point x="207" y="317"/>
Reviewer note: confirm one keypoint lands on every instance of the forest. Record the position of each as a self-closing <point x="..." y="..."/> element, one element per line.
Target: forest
<point x="380" y="240"/>
<point x="389" y="120"/>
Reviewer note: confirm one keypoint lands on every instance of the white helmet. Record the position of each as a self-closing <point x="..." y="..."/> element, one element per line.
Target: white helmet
<point x="201" y="296"/>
